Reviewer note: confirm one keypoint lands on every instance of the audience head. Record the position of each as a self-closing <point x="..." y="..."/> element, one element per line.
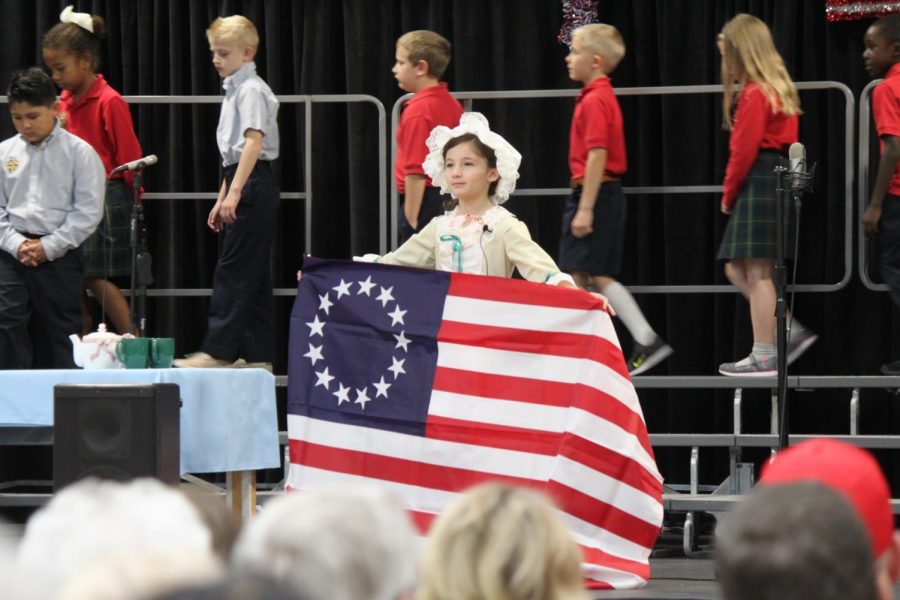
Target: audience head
<point x="499" y="541"/>
<point x="341" y="542"/>
<point x="215" y="514"/>
<point x="9" y="534"/>
<point x="133" y="576"/>
<point x="92" y="522"/>
<point x="794" y="541"/>
<point x="855" y="473"/>
<point x="243" y="586"/>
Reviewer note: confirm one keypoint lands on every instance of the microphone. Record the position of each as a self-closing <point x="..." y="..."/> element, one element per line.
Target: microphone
<point x="136" y="164"/>
<point x="797" y="171"/>
<point x="486" y="229"/>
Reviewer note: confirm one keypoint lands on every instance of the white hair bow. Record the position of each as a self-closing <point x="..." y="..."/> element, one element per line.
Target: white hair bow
<point x="83" y="20"/>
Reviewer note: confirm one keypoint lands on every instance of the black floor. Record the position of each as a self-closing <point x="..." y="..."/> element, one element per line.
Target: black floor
<point x="674" y="578"/>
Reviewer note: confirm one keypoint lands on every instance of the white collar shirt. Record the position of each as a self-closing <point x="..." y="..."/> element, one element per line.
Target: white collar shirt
<point x="249" y="104"/>
<point x="54" y="190"/>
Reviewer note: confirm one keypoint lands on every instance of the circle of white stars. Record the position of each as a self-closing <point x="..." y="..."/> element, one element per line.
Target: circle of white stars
<point x="344" y="393"/>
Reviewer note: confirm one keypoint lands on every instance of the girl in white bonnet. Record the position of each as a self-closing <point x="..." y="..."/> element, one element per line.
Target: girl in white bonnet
<point x="479" y="169"/>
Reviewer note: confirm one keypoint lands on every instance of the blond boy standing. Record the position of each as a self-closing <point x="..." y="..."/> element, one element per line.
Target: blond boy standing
<point x="240" y="328"/>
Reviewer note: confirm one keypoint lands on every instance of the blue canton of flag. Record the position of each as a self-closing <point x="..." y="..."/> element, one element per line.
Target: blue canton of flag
<point x="367" y="340"/>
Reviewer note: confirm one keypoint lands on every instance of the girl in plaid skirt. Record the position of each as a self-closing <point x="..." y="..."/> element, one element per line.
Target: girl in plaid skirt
<point x="95" y="112"/>
<point x="761" y="107"/>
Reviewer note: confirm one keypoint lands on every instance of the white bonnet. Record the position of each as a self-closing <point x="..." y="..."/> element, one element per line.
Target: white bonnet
<point x="508" y="158"/>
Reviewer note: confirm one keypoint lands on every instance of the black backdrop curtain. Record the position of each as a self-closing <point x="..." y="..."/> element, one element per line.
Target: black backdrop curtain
<point x="158" y="47"/>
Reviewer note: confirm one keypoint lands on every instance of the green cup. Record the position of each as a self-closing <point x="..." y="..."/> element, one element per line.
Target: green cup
<point x="133" y="353"/>
<point x="162" y="352"/>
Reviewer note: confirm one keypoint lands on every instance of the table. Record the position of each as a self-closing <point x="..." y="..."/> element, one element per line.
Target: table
<point x="228" y="416"/>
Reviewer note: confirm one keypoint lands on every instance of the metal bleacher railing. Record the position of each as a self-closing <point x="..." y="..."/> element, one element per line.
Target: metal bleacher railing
<point x="307" y="196"/>
<point x="865" y="144"/>
<point x="849" y="108"/>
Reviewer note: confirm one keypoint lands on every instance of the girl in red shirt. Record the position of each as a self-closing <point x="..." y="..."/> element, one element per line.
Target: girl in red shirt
<point x="763" y="123"/>
<point x="98" y="114"/>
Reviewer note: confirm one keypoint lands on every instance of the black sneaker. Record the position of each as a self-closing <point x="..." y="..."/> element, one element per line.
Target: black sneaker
<point x="799" y="342"/>
<point x="892" y="368"/>
<point x="644" y="357"/>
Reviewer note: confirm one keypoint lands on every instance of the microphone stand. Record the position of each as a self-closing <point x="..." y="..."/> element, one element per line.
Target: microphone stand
<point x="799" y="182"/>
<point x="779" y="280"/>
<point x="141" y="261"/>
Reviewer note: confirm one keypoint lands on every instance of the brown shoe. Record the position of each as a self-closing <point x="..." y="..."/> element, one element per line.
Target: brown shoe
<point x="202" y="360"/>
<point x="243" y="364"/>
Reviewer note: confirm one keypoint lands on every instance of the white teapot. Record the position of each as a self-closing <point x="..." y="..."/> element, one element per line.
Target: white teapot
<point x="96" y="350"/>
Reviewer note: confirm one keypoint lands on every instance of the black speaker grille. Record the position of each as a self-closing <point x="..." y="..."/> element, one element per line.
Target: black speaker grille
<point x="116" y="432"/>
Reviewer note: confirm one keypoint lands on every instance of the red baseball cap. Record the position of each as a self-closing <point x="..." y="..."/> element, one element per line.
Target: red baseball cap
<point x="846" y="468"/>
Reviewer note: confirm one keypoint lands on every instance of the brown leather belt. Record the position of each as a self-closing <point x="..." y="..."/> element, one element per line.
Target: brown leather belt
<point x="577" y="183"/>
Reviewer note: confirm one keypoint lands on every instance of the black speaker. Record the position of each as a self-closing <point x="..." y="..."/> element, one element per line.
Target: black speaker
<point x="116" y="432"/>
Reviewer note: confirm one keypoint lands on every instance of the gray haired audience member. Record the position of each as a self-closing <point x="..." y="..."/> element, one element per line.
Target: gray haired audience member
<point x="245" y="586"/>
<point x="795" y="541"/>
<point x="350" y="542"/>
<point x="108" y="539"/>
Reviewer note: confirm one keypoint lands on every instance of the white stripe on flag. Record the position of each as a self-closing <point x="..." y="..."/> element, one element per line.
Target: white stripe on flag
<point x="510" y="413"/>
<point x="528" y="365"/>
<point x="608" y="489"/>
<point x="553" y="419"/>
<point x="414" y="497"/>
<point x="590" y="535"/>
<point x="529" y="317"/>
<point x="599" y="431"/>
<point x="432" y="501"/>
<point x="470" y="457"/>
<point x="617" y="579"/>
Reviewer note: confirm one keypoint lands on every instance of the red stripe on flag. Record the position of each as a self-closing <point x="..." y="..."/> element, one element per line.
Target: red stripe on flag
<point x="478" y="433"/>
<point x="599" y="557"/>
<point x="398" y="470"/>
<point x="520" y="292"/>
<point x="422" y="521"/>
<point x="502" y="387"/>
<point x="546" y="393"/>
<point x="571" y="345"/>
<point x="612" y="464"/>
<point x="603" y="515"/>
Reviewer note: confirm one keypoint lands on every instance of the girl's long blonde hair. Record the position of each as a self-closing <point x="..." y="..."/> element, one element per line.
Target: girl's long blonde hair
<point x="749" y="54"/>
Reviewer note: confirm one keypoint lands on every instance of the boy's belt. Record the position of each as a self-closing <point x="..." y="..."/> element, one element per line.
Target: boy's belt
<point x="577" y="183"/>
<point x="31" y="236"/>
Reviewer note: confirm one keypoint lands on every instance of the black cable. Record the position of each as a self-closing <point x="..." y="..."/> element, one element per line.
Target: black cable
<point x="484" y="230"/>
<point x="793" y="292"/>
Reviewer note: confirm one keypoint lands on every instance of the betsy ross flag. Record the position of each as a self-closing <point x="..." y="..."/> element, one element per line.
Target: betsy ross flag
<point x="429" y="382"/>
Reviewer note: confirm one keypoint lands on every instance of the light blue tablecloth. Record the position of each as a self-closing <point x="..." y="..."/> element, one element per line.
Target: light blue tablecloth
<point x="228" y="416"/>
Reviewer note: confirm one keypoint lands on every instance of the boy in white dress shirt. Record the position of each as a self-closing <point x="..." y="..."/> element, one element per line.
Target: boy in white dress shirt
<point x="240" y="330"/>
<point x="52" y="185"/>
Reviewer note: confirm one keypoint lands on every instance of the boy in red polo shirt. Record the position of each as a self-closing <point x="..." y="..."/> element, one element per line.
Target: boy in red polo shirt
<point x="594" y="220"/>
<point x="421" y="58"/>
<point x="882" y="217"/>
